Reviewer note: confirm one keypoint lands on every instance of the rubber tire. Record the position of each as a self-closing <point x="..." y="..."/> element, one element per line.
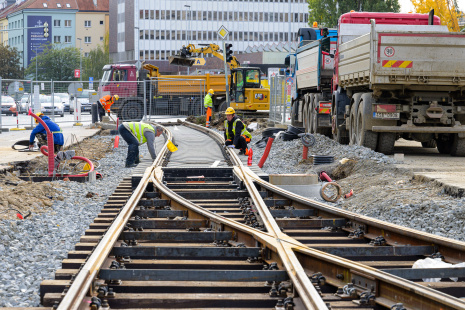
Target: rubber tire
<point x="132" y="111"/>
<point x="222" y="107"/>
<point x="304" y="113"/>
<point x="458" y="146"/>
<point x="295" y="130"/>
<point x="288" y="136"/>
<point x="353" y="118"/>
<point x="444" y="146"/>
<point x="431" y="144"/>
<point x="366" y="138"/>
<point x="386" y="141"/>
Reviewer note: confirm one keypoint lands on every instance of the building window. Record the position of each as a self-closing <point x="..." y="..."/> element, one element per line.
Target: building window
<point x="101" y="38"/>
<point x="68" y="5"/>
<point x="45" y="5"/>
<point x="87" y="40"/>
<point x="86" y="54"/>
<point x="56" y="39"/>
<point x="68" y="23"/>
<point x="67" y="39"/>
<point x="57" y="23"/>
<point x="101" y="22"/>
<point x="58" y="5"/>
<point x="87" y="23"/>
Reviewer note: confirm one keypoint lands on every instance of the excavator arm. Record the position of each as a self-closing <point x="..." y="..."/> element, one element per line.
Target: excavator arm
<point x="187" y="55"/>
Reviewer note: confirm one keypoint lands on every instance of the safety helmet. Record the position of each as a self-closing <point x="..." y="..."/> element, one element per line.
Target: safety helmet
<point x="230" y="111"/>
<point x="116" y="97"/>
<point x="211" y="91"/>
<point x="39" y="115"/>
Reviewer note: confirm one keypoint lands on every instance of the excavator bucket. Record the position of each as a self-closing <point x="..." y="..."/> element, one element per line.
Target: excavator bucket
<point x="181" y="61"/>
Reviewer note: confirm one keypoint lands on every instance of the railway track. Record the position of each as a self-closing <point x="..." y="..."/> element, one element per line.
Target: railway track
<point x="198" y="230"/>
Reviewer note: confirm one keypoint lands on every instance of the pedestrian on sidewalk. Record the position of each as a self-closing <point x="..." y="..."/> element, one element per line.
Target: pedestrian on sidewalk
<point x="208" y="104"/>
<point x="40" y="133"/>
<point x="235" y="132"/>
<point x="135" y="134"/>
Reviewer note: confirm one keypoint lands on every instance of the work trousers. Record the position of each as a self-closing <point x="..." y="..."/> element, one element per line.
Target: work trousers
<point x="242" y="144"/>
<point x="208" y="117"/>
<point x="133" y="145"/>
<point x="101" y="111"/>
<point x="42" y="138"/>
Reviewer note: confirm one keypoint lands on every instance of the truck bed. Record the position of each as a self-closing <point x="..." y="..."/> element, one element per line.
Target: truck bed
<point x="384" y="59"/>
<point x="312" y="66"/>
<point x="187" y="84"/>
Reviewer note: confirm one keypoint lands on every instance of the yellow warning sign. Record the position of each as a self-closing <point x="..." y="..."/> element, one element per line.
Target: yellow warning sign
<point x="199" y="62"/>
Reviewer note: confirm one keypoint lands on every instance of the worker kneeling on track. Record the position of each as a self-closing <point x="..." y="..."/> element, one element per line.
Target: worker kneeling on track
<point x="105" y="104"/>
<point x="41" y="134"/>
<point x="135" y="134"/>
<point x="235" y="132"/>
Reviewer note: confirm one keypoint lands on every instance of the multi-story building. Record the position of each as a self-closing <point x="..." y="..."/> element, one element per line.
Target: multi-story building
<point x="155" y="30"/>
<point x="71" y="23"/>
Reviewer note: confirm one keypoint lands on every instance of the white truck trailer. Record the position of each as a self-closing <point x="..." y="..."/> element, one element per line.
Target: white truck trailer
<point x="403" y="81"/>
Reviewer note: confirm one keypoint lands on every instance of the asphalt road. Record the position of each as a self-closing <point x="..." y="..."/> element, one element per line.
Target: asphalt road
<point x="9" y="121"/>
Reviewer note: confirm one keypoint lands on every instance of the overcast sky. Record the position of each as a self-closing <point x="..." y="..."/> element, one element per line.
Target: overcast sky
<point x="406" y="5"/>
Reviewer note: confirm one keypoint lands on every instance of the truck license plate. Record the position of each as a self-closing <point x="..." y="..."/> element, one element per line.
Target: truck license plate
<point x="391" y="115"/>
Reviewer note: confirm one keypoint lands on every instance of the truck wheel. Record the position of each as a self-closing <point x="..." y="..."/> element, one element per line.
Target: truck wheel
<point x="458" y="146"/>
<point x="431" y="144"/>
<point x="365" y="137"/>
<point x="341" y="136"/>
<point x="222" y="107"/>
<point x="386" y="141"/>
<point x="133" y="111"/>
<point x="353" y="118"/>
<point x="305" y="115"/>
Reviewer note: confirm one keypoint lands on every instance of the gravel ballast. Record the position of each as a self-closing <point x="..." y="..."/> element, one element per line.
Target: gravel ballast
<point x="32" y="250"/>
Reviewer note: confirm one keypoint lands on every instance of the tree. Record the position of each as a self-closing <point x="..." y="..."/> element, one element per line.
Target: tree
<point x="98" y="57"/>
<point x="327" y="12"/>
<point x="10" y="63"/>
<point x="447" y="10"/>
<point x="55" y="63"/>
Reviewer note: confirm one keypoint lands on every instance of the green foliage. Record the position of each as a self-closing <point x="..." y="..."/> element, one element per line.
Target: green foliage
<point x="93" y="64"/>
<point x="327" y="12"/>
<point x="55" y="63"/>
<point x="10" y="63"/>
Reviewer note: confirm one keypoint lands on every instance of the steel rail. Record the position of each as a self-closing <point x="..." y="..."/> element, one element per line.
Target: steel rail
<point x="75" y="297"/>
<point x="389" y="280"/>
<point x="307" y="292"/>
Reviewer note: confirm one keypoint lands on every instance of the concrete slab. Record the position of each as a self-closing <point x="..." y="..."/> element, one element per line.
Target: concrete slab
<point x="7" y="139"/>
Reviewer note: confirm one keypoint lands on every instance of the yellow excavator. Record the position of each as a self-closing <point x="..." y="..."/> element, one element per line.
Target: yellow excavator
<point x="245" y="91"/>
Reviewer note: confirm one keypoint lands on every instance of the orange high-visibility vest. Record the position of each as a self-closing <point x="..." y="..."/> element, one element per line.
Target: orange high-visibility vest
<point x="106" y="102"/>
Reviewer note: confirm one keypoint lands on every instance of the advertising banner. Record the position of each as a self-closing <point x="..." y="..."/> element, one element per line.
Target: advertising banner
<point x="35" y="36"/>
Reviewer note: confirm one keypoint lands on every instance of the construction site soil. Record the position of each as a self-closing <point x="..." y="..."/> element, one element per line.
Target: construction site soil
<point x="381" y="189"/>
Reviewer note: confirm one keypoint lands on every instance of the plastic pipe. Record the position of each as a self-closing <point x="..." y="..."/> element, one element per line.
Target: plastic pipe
<point x="325" y="177"/>
<point x="51" y="155"/>
<point x="305" y="153"/>
<point x="267" y="151"/>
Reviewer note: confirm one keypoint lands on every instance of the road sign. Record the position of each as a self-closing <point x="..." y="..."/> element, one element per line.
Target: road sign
<point x="199" y="62"/>
<point x="138" y="64"/>
<point x="77" y="73"/>
<point x="16" y="90"/>
<point x="91" y="83"/>
<point x="223" y="32"/>
<point x="75" y="89"/>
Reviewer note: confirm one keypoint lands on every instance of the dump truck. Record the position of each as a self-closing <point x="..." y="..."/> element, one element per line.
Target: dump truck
<point x="246" y="91"/>
<point x="397" y="76"/>
<point x="163" y="94"/>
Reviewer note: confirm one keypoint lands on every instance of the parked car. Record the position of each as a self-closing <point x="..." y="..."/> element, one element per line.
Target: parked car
<point x="48" y="108"/>
<point x="64" y="97"/>
<point x="8" y="105"/>
<point x="84" y="99"/>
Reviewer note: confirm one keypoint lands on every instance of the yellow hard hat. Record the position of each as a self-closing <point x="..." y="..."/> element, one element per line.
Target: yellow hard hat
<point x="211" y="91"/>
<point x="230" y="111"/>
<point x="39" y="115"/>
<point x="116" y="97"/>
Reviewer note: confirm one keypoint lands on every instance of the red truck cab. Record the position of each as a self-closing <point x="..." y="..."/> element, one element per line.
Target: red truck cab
<point x="117" y="80"/>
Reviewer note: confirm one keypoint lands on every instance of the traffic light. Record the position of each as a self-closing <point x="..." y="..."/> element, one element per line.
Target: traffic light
<point x="228" y="52"/>
<point x="45" y="30"/>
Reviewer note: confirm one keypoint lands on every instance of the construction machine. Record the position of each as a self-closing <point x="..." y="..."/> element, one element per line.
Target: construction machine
<point x="245" y="91"/>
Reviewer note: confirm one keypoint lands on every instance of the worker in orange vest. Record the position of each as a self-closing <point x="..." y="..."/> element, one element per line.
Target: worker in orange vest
<point x="105" y="104"/>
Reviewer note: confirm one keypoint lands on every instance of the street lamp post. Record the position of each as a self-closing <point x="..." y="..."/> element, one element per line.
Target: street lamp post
<point x="80" y="60"/>
<point x="36" y="64"/>
<point x="190" y="29"/>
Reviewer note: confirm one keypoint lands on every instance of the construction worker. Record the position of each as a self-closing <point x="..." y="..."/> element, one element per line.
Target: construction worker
<point x="41" y="134"/>
<point x="208" y="104"/>
<point x="235" y="132"/>
<point x="105" y="104"/>
<point x="135" y="134"/>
